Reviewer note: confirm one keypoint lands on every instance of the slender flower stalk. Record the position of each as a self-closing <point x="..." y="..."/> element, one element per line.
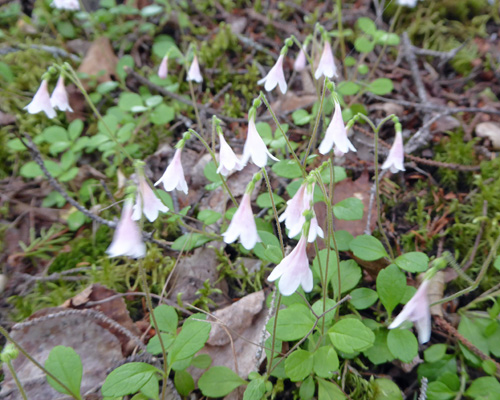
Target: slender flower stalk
<point x="146" y="202"/>
<point x="41" y="101"/>
<point x="417" y="310"/>
<point x="395" y="159"/>
<point x="294" y="270"/>
<point x="173" y="177"/>
<point x="255" y="148"/>
<point x="194" y="73"/>
<point x="227" y="159"/>
<point x="127" y="240"/>
<point x="275" y="76"/>
<point x="336" y="134"/>
<point x="326" y="64"/>
<point x="243" y="225"/>
<point x="59" y="98"/>
<point x="163" y="68"/>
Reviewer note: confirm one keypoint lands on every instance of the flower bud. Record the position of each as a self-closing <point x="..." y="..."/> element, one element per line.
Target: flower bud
<point x="9" y="353"/>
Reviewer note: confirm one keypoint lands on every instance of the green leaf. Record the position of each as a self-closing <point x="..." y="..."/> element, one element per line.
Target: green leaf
<point x="439" y="391"/>
<point x="298" y="365"/>
<point x="496" y="263"/>
<point x="351" y="335"/>
<point x="16" y="145"/>
<point x="264" y="200"/>
<point x="471" y="329"/>
<point x="202" y="361"/>
<point x="163" y="44"/>
<point x="325" y="362"/>
<point x="190" y="241"/>
<point x="433" y="371"/>
<point x="151" y="388"/>
<point x="65" y="364"/>
<point x="166" y="318"/>
<point x="287" y="169"/>
<point x="255" y="389"/>
<point x="209" y="217"/>
<point x="402" y="344"/>
<point x="75" y="129"/>
<point x="66" y="29"/>
<point x="129" y="100"/>
<point x="261" y="248"/>
<point x="348" y="88"/>
<point x="55" y="134"/>
<point x="385" y="389"/>
<point x="219" y="382"/>
<point x="391" y="287"/>
<point x="413" y="262"/>
<point x="190" y="340"/>
<point x="329" y="391"/>
<point x="162" y="115"/>
<point x="343" y="239"/>
<point x="301" y="117"/>
<point x="307" y="389"/>
<point x="183" y="382"/>
<point x="69" y="175"/>
<point x="6" y="72"/>
<point x="128" y="379"/>
<point x="363" y="45"/>
<point x="363" y="298"/>
<point x="381" y="86"/>
<point x="273" y="253"/>
<point x="107" y="87"/>
<point x="318" y="309"/>
<point x="294" y="323"/>
<point x="30" y="170"/>
<point x="210" y="172"/>
<point x="75" y="220"/>
<point x="485" y="388"/>
<point x="379" y="353"/>
<point x="366" y="25"/>
<point x="349" y="209"/>
<point x="367" y="248"/>
<point x="390" y="39"/>
<point x="435" y="353"/>
<point x="154" y="346"/>
<point x="350" y="275"/>
<point x="125" y="61"/>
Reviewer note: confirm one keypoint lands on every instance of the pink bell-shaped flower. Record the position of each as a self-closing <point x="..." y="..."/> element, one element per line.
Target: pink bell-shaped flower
<point x="59" y="98"/>
<point x="275" y="76"/>
<point x="255" y="148"/>
<point x="41" y="101"/>
<point x="71" y="5"/>
<point x="194" y="73"/>
<point x="326" y="64"/>
<point x="395" y="159"/>
<point x="301" y="60"/>
<point x="336" y="134"/>
<point x="163" y="68"/>
<point x="127" y="240"/>
<point x="294" y="270"/>
<point x="243" y="225"/>
<point x="146" y="202"/>
<point x="417" y="310"/>
<point x="227" y="159"/>
<point x="173" y="177"/>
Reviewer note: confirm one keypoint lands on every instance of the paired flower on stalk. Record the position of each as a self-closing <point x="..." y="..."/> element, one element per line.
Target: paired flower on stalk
<point x="326" y="66"/>
<point x="173" y="177"/>
<point x="42" y="101"/>
<point x="242" y="224"/>
<point x="395" y="159"/>
<point x="255" y="148"/>
<point x="194" y="73"/>
<point x="336" y="134"/>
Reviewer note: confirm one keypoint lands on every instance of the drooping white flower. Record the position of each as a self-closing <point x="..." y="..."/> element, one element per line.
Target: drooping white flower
<point x="407" y="3"/>
<point x="255" y="148"/>
<point x="194" y="73"/>
<point x="127" y="239"/>
<point x="395" y="159"/>
<point x="293" y="271"/>
<point x="163" y="68"/>
<point x="275" y="76"/>
<point x="227" y="159"/>
<point x="71" y="5"/>
<point x="243" y="225"/>
<point x="294" y="214"/>
<point x="146" y="202"/>
<point x="336" y="134"/>
<point x="173" y="177"/>
<point x="300" y="61"/>
<point x="417" y="310"/>
<point x="41" y="101"/>
<point x="326" y="64"/>
<point x="59" y="98"/>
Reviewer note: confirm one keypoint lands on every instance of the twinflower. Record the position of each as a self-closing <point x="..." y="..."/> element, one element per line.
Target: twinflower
<point x="255" y="148"/>
<point x="59" y="98"/>
<point x="127" y="240"/>
<point x="243" y="225"/>
<point x="194" y="73"/>
<point x="294" y="270"/>
<point x="163" y="68"/>
<point x="300" y="61"/>
<point x="417" y="310"/>
<point x="275" y="76"/>
<point x="173" y="177"/>
<point x="71" y="5"/>
<point x="336" y="134"/>
<point x="396" y="156"/>
<point x="227" y="159"/>
<point x="146" y="202"/>
<point x="326" y="64"/>
<point x="41" y="101"/>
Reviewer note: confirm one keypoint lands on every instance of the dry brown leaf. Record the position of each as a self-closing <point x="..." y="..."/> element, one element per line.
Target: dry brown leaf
<point x="100" y="57"/>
